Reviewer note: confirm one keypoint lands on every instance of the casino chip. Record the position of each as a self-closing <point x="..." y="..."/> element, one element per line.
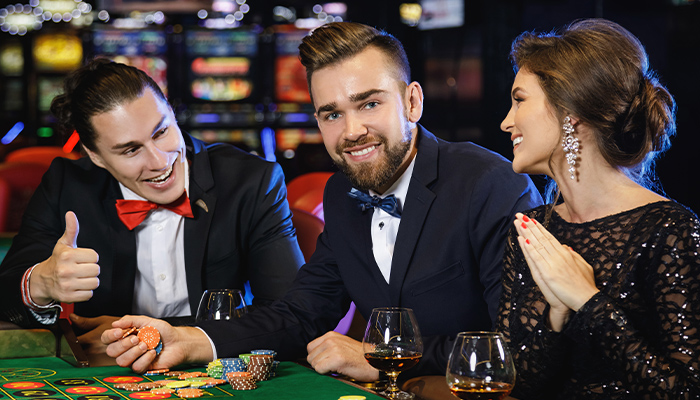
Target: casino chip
<point x="150" y="336"/>
<point x="129" y="331"/>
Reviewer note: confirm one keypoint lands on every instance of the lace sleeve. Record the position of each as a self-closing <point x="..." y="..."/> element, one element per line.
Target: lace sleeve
<point x="664" y="365"/>
<point x="539" y="353"/>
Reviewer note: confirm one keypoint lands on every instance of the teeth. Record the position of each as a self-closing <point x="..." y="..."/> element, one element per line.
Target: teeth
<point x="162" y="178"/>
<point x="363" y="152"/>
<point x="517" y="140"/>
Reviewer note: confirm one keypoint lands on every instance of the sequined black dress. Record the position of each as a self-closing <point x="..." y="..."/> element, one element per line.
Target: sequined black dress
<point x="638" y="338"/>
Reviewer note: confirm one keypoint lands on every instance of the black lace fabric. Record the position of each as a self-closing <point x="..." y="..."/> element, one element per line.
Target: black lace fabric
<point x="638" y="337"/>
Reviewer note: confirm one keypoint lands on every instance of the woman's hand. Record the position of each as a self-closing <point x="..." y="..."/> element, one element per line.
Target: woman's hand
<point x="563" y="276"/>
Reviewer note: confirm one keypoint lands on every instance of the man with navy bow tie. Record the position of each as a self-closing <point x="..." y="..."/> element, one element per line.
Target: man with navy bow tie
<point x="411" y="221"/>
<point x="148" y="221"/>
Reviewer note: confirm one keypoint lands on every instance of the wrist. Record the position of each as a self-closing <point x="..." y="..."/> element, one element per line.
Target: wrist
<point x="197" y="348"/>
<point x="31" y="299"/>
<point x="557" y="319"/>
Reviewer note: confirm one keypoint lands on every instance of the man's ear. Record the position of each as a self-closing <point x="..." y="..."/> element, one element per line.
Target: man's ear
<point x="94" y="157"/>
<point x="414" y="102"/>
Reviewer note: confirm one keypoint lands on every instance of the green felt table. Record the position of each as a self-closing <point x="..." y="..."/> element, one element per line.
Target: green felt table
<point x="51" y="378"/>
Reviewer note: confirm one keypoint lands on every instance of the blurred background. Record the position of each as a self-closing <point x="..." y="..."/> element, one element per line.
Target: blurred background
<point x="231" y="72"/>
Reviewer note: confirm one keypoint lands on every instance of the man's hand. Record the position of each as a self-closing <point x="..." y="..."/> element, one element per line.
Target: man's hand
<point x="70" y="274"/>
<point x="91" y="340"/>
<point x="181" y="345"/>
<point x="334" y="352"/>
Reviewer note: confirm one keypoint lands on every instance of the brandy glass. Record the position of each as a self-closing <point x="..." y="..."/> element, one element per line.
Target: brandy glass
<point x="480" y="367"/>
<point x="218" y="304"/>
<point x="392" y="343"/>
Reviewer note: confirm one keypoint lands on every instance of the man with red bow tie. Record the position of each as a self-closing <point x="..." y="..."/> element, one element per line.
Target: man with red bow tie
<point x="149" y="220"/>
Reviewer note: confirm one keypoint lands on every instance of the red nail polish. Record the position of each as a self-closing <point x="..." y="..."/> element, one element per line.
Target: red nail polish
<point x="527" y="241"/>
<point x="523" y="225"/>
<point x="534" y="222"/>
<point x="525" y="218"/>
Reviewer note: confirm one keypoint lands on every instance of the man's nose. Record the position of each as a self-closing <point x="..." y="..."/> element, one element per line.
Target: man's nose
<point x="355" y="127"/>
<point x="157" y="158"/>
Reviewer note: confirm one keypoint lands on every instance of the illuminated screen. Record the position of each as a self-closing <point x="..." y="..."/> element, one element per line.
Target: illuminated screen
<point x="222" y="64"/>
<point x="49" y="87"/>
<point x="57" y="52"/>
<point x="290" y="75"/>
<point x="221" y="43"/>
<point x="11" y="58"/>
<point x="221" y="88"/>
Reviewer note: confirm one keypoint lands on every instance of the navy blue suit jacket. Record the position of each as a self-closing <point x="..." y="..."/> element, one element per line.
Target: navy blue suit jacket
<point x="461" y="201"/>
<point x="245" y="234"/>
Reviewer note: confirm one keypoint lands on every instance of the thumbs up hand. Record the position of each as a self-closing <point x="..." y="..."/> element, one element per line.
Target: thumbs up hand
<point x="70" y="274"/>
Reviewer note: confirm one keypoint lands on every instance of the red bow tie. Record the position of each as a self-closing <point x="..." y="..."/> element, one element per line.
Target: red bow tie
<point x="133" y="212"/>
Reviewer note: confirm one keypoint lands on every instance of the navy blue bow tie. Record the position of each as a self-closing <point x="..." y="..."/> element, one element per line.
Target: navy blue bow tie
<point x="389" y="204"/>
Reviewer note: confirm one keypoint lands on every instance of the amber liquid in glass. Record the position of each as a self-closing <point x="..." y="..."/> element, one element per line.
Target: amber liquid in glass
<point x="486" y="391"/>
<point x="394" y="362"/>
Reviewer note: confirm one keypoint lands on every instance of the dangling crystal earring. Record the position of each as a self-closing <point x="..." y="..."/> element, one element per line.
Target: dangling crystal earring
<point x="570" y="145"/>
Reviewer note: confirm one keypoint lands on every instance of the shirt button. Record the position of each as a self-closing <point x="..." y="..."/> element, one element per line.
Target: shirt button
<point x="160" y="228"/>
<point x="162" y="277"/>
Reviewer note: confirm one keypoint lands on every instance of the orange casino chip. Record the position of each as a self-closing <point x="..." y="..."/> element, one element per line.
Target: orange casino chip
<point x="163" y="390"/>
<point x="150" y="336"/>
<point x="129" y="331"/>
<point x="190" y="393"/>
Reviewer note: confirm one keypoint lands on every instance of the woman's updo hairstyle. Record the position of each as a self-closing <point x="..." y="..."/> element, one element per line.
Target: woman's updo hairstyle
<point x="98" y="87"/>
<point x="598" y="71"/>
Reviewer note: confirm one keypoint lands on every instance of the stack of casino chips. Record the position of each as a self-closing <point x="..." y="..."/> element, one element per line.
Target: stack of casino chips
<point x="259" y="366"/>
<point x="215" y="369"/>
<point x="275" y="363"/>
<point x="241" y="380"/>
<point x="232" y="365"/>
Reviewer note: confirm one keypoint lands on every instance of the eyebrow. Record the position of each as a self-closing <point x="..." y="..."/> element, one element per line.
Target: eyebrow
<point x="353" y="98"/>
<point x="133" y="143"/>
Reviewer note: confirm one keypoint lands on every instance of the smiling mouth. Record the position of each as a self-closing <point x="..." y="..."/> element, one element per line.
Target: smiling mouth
<point x="363" y="151"/>
<point x="162" y="178"/>
<point x="517" y="140"/>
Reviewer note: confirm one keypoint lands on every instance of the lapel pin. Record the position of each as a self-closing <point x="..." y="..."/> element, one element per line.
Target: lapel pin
<point x="202" y="204"/>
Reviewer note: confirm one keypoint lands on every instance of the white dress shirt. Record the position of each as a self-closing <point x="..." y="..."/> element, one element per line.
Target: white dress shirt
<point x="385" y="227"/>
<point x="160" y="289"/>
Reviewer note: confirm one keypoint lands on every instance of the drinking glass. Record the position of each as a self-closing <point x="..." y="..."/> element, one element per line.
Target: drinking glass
<point x="218" y="304"/>
<point x="480" y="367"/>
<point x="392" y="343"/>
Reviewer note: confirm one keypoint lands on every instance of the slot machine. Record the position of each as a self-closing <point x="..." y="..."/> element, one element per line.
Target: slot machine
<point x="223" y="90"/>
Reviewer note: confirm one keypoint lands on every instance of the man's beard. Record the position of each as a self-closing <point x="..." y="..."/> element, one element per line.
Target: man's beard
<point x="373" y="175"/>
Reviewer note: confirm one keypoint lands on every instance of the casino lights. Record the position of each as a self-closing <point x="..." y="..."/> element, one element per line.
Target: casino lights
<point x="226" y="14"/>
<point x="18" y="19"/>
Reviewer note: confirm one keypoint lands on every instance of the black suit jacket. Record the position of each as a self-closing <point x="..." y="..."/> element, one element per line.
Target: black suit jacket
<point x="245" y="234"/>
<point x="461" y="201"/>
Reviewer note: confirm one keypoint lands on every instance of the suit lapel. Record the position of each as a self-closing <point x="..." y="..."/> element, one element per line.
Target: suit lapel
<point x="197" y="229"/>
<point x="419" y="199"/>
<point x="123" y="252"/>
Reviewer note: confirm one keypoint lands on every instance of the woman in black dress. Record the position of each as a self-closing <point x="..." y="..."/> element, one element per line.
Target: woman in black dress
<point x="601" y="286"/>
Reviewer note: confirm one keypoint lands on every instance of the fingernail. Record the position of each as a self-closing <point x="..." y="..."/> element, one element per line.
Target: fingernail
<point x="134" y="340"/>
<point x="527" y="241"/>
<point x="525" y="218"/>
<point x="523" y="225"/>
<point x="143" y="346"/>
<point x="534" y="222"/>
